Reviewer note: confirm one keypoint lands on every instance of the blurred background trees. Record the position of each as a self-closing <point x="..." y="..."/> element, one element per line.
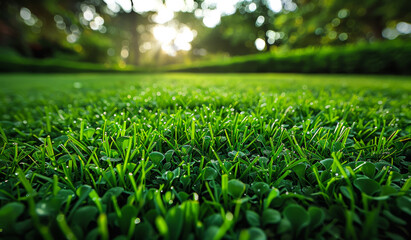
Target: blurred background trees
<point x="157" y="32"/>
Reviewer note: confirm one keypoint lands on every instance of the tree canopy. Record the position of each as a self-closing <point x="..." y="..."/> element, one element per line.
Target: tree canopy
<point x="142" y="32"/>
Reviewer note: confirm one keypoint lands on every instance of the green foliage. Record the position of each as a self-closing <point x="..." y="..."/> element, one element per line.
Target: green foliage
<point x="270" y="216"/>
<point x="8" y="217"/>
<point x="236" y="188"/>
<point x="16" y="63"/>
<point x="297" y="216"/>
<point x="383" y="57"/>
<point x="204" y="156"/>
<point x="156" y="157"/>
<point x="367" y="186"/>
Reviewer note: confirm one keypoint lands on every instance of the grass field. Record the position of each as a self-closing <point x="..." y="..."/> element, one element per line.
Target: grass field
<point x="205" y="156"/>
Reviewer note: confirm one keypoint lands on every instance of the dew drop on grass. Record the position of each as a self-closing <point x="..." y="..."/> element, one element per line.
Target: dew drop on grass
<point x="137" y="221"/>
<point x="196" y="197"/>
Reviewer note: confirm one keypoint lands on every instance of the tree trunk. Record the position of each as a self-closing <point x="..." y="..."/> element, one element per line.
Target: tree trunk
<point x="134" y="51"/>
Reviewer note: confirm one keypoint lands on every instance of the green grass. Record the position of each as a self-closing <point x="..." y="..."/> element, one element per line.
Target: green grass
<point x="204" y="156"/>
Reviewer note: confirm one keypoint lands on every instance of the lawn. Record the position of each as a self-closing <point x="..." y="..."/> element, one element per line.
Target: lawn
<point x="204" y="156"/>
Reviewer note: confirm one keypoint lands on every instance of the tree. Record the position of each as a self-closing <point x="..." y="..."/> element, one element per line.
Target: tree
<point x="323" y="22"/>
